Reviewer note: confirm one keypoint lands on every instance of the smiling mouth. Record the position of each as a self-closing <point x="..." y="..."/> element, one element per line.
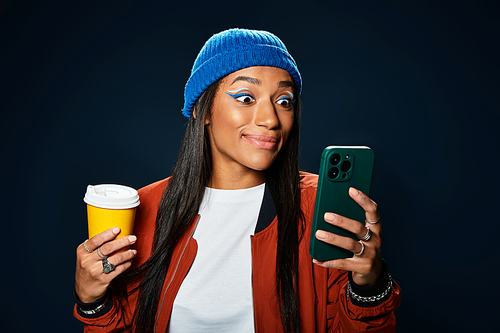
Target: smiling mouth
<point x="262" y="141"/>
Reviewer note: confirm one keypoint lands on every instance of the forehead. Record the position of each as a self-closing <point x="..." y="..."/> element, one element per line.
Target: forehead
<point x="262" y="74"/>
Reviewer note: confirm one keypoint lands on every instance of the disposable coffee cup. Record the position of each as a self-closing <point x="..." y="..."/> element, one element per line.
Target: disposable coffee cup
<point x="110" y="205"/>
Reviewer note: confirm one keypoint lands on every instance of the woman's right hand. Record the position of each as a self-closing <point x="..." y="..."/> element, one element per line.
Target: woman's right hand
<point x="91" y="283"/>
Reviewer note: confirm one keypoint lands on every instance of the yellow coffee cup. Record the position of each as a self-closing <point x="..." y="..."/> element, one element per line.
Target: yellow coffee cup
<point x="111" y="205"/>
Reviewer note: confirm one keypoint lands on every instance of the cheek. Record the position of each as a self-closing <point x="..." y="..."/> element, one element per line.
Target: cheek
<point x="287" y="124"/>
<point x="227" y="120"/>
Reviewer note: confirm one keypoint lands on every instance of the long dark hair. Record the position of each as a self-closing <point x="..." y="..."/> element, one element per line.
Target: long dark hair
<point x="179" y="207"/>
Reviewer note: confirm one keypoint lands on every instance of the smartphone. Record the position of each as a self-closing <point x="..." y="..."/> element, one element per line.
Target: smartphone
<point x="341" y="167"/>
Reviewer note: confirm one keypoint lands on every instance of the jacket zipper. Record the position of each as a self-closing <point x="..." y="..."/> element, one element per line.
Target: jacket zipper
<point x="251" y="277"/>
<point x="175" y="271"/>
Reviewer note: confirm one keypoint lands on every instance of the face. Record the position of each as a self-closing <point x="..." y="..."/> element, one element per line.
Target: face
<point x="251" y="119"/>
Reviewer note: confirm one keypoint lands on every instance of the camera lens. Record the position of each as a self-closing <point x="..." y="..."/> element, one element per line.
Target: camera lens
<point x="333" y="173"/>
<point x="335" y="159"/>
<point x="345" y="166"/>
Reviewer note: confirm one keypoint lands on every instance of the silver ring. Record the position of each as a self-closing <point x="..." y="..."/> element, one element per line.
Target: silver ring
<point x="362" y="249"/>
<point x="377" y="221"/>
<point x="107" y="267"/>
<point x="85" y="246"/>
<point x="100" y="254"/>
<point x="368" y="234"/>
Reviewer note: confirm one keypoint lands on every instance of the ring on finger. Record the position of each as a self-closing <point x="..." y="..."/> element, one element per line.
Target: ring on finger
<point x="85" y="246"/>
<point x="374" y="222"/>
<point x="107" y="267"/>
<point x="100" y="254"/>
<point x="362" y="249"/>
<point x="368" y="234"/>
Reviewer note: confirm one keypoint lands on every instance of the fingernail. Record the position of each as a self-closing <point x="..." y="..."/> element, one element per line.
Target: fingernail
<point x="132" y="238"/>
<point x="116" y="230"/>
<point x="320" y="234"/>
<point x="134" y="252"/>
<point x="353" y="191"/>
<point x="330" y="217"/>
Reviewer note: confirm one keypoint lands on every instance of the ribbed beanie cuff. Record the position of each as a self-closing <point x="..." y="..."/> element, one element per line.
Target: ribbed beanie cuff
<point x="232" y="50"/>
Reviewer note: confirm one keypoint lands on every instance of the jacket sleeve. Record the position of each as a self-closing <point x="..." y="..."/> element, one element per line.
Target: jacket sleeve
<point x="115" y="317"/>
<point x="347" y="315"/>
<point x="343" y="313"/>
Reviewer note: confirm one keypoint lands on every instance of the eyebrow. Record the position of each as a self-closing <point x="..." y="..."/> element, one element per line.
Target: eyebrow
<point x="285" y="84"/>
<point x="247" y="79"/>
<point x="281" y="84"/>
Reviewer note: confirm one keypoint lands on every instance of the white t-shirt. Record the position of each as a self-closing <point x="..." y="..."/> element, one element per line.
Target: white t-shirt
<point x="216" y="295"/>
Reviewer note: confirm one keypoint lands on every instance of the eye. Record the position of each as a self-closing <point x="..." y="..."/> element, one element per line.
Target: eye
<point x="243" y="98"/>
<point x="285" y="102"/>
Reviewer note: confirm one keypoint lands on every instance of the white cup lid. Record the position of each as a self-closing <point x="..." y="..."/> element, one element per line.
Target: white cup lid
<point x="111" y="196"/>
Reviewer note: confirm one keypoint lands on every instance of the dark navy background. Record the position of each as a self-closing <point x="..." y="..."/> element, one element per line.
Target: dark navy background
<point x="92" y="91"/>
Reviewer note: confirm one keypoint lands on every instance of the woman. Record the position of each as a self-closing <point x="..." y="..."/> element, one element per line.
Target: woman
<point x="222" y="245"/>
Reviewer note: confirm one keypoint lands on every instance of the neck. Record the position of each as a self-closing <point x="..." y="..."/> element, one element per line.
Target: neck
<point x="225" y="180"/>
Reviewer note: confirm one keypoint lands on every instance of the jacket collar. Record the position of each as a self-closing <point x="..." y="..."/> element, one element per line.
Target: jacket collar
<point x="267" y="211"/>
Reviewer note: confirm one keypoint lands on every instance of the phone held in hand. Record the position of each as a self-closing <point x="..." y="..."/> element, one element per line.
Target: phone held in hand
<point x="341" y="167"/>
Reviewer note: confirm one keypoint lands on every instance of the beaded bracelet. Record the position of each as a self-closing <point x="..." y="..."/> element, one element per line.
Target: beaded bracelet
<point x="369" y="298"/>
<point x="93" y="311"/>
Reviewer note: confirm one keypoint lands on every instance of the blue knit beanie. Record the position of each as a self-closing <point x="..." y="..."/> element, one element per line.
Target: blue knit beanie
<point x="232" y="50"/>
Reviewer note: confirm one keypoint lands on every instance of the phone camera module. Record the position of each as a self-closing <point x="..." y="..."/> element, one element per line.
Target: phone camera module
<point x="333" y="173"/>
<point x="335" y="159"/>
<point x="345" y="166"/>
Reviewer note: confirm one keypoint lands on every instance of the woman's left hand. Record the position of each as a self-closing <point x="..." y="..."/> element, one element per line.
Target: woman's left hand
<point x="367" y="265"/>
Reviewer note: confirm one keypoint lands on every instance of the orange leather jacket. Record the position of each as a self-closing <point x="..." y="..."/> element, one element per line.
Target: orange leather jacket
<point x="322" y="292"/>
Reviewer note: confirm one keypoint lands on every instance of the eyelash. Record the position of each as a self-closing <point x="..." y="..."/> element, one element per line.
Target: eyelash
<point x="244" y="95"/>
<point x="290" y="101"/>
<point x="239" y="98"/>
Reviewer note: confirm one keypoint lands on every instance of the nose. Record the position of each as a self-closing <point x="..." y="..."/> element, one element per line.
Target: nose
<point x="265" y="115"/>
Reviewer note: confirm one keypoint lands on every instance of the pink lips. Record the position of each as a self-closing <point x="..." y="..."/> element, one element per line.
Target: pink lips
<point x="261" y="141"/>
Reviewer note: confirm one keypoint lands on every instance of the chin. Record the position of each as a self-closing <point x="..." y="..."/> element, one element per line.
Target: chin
<point x="260" y="165"/>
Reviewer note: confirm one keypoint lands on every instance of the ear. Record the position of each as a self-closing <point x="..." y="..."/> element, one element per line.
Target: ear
<point x="207" y="120"/>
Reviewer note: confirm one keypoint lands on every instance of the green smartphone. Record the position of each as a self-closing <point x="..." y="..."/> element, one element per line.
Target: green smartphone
<point x="341" y="167"/>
